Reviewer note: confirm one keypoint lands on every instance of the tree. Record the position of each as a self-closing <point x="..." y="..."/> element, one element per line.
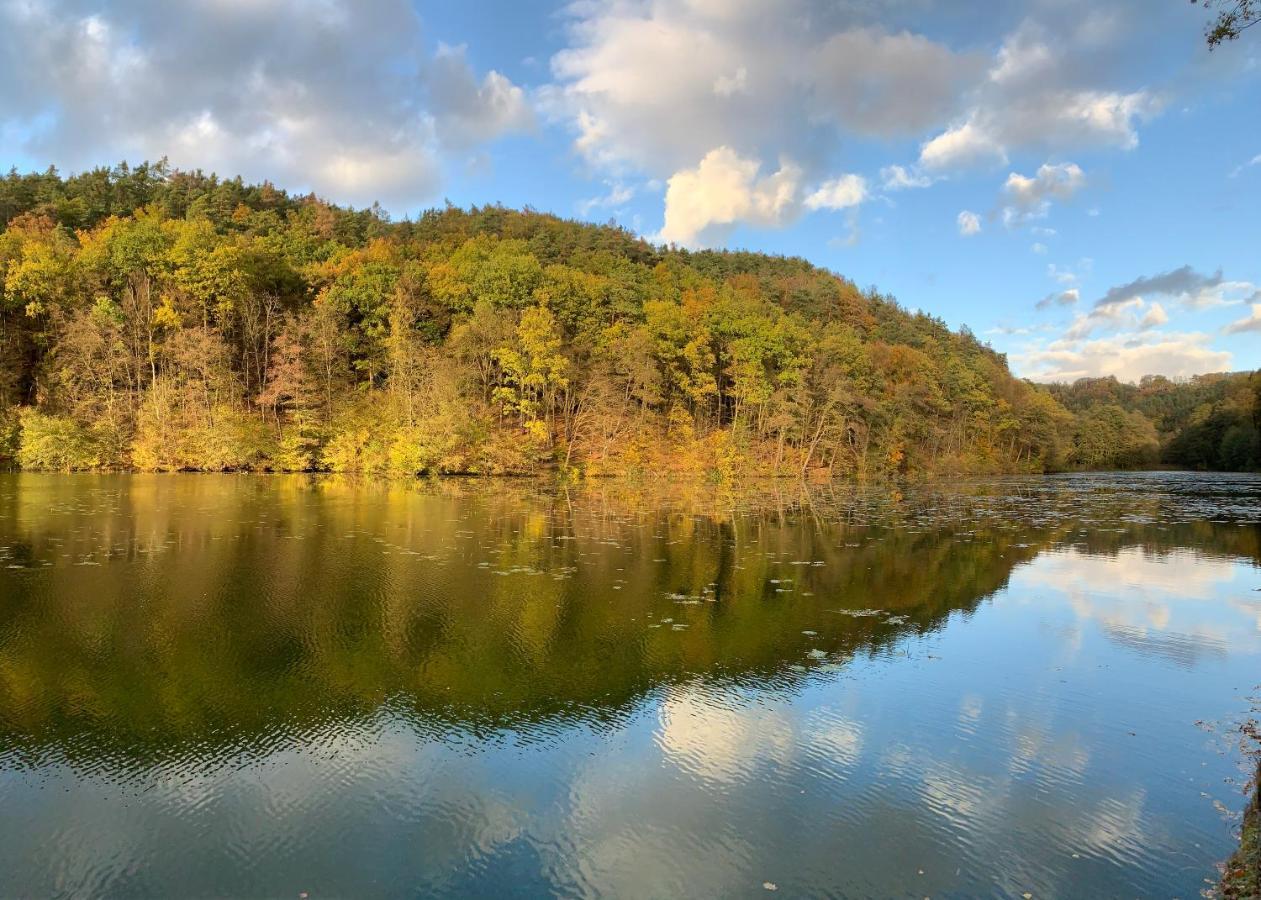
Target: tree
<point x="1232" y="19"/>
<point x="170" y="319"/>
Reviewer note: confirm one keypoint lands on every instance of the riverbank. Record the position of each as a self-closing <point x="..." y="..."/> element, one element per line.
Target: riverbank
<point x="1242" y="876"/>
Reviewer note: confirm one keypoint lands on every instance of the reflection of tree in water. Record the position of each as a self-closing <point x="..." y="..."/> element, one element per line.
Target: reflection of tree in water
<point x="185" y="613"/>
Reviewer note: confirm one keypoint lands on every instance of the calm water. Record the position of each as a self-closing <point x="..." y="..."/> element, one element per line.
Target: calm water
<point x="219" y="685"/>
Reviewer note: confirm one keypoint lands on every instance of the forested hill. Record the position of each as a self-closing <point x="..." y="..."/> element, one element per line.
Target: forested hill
<point x="159" y="319"/>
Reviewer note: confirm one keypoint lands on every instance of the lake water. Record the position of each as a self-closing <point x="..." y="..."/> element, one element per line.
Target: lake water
<point x="223" y="685"/>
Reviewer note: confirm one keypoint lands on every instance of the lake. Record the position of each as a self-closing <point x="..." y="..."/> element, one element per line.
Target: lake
<point x="248" y="685"/>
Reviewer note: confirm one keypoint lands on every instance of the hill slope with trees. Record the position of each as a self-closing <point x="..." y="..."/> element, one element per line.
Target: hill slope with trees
<point x="168" y="320"/>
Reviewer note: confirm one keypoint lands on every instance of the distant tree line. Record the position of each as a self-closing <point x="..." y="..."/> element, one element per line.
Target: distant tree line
<point x="166" y="320"/>
<point x="1204" y="422"/>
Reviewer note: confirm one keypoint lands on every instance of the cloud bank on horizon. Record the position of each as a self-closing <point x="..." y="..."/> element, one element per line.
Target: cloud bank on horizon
<point x="971" y="160"/>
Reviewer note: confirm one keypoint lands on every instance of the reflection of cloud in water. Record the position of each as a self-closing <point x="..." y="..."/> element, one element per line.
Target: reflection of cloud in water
<point x="721" y="741"/>
<point x="958" y="795"/>
<point x="709" y="736"/>
<point x="970" y="709"/>
<point x="1115" y="827"/>
<point x="1167" y="606"/>
<point x="1184" y="650"/>
<point x="1184" y="573"/>
<point x="1058" y="758"/>
<point x="837" y="740"/>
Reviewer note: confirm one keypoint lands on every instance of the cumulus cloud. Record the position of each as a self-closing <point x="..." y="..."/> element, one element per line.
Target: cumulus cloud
<point x="966" y="144"/>
<point x="650" y="87"/>
<point x="656" y="84"/>
<point x="1135" y="314"/>
<point x="839" y="193"/>
<point x="703" y="203"/>
<point x="1154" y="317"/>
<point x="1030" y="197"/>
<point x="1127" y="356"/>
<point x="467" y="111"/>
<point x="1040" y="93"/>
<point x="969" y="223"/>
<point x="1248" y="323"/>
<point x="725" y="189"/>
<point x="334" y="96"/>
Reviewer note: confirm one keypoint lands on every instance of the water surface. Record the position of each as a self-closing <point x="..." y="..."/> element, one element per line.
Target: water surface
<point x="247" y="685"/>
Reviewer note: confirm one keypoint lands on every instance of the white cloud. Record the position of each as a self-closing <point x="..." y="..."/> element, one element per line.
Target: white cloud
<point x="652" y="86"/>
<point x="839" y="193"/>
<point x="1034" y="97"/>
<point x="969" y="223"/>
<point x="1227" y="293"/>
<point x="1039" y="248"/>
<point x="1111" y="317"/>
<point x="1248" y="323"/>
<point x="1030" y="197"/>
<point x="649" y="87"/>
<point x="467" y="111"/>
<point x="725" y="189"/>
<point x="665" y="81"/>
<point x="1154" y="317"/>
<point x="1127" y="356"/>
<point x="899" y="178"/>
<point x="1135" y="314"/>
<point x="962" y="145"/>
<point x="336" y="97"/>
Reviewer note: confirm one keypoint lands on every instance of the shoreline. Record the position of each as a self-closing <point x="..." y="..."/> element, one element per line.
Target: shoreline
<point x="1241" y="874"/>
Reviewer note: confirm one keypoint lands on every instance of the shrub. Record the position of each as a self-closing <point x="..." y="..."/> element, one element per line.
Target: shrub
<point x="56" y="443"/>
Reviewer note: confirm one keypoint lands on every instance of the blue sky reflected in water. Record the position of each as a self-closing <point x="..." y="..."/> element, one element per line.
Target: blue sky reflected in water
<point x="876" y="695"/>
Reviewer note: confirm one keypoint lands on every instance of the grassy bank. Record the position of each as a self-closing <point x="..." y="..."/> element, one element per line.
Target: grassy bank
<point x="1242" y="875"/>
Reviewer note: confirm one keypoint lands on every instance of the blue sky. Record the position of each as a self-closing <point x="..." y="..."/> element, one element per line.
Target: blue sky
<point x="1078" y="182"/>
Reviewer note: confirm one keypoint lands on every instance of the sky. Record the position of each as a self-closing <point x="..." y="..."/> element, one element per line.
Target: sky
<point x="1077" y="181"/>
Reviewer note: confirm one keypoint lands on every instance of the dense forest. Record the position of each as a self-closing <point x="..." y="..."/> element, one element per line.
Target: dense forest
<point x="168" y="320"/>
<point x="1206" y="422"/>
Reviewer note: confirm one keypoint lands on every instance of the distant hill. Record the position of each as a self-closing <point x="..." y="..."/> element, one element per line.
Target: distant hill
<point x="159" y="319"/>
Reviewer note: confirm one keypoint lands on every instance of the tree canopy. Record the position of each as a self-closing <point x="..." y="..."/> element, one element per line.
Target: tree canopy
<point x="1231" y="19"/>
<point x="170" y="320"/>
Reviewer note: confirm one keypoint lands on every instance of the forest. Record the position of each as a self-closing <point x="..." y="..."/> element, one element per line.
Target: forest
<point x="157" y="319"/>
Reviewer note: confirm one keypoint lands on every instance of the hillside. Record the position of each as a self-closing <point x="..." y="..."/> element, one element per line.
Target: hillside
<point x="1205" y="422"/>
<point x="170" y="320"/>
